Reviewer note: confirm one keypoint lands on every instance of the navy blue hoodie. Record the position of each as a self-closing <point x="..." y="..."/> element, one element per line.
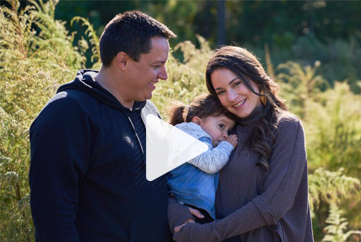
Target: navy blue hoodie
<point x="87" y="172"/>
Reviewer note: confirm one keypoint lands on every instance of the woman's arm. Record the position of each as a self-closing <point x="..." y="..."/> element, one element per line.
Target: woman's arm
<point x="288" y="166"/>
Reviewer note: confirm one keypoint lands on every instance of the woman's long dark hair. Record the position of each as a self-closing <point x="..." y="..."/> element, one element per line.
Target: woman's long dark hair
<point x="245" y="65"/>
<point x="203" y="106"/>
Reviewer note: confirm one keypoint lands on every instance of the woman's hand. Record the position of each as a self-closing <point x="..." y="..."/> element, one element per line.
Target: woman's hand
<point x="195" y="232"/>
<point x="180" y="214"/>
<point x="195" y="213"/>
<point x="178" y="228"/>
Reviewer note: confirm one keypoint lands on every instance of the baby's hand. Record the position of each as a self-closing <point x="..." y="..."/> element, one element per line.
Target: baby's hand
<point x="233" y="139"/>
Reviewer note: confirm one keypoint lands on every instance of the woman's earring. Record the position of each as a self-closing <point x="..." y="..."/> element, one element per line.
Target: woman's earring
<point x="263" y="98"/>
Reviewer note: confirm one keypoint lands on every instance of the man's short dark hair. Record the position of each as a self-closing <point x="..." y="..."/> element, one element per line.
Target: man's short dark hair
<point x="130" y="32"/>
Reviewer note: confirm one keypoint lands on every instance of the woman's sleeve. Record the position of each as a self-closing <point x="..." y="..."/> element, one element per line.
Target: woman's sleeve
<point x="214" y="159"/>
<point x="287" y="166"/>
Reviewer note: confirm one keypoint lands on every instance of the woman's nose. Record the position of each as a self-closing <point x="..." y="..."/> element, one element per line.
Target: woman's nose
<point x="232" y="96"/>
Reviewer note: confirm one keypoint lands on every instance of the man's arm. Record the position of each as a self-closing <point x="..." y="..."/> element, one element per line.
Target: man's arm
<point x="60" y="149"/>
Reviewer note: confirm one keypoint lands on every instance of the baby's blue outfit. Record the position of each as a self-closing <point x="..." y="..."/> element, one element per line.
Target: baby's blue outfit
<point x="195" y="182"/>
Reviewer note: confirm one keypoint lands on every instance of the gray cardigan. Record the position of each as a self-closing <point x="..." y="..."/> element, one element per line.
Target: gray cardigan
<point x="253" y="205"/>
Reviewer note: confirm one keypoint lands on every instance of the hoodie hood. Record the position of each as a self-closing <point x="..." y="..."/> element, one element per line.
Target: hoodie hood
<point x="85" y="82"/>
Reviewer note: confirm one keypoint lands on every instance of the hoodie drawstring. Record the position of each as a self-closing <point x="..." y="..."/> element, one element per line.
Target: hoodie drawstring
<point x="136" y="134"/>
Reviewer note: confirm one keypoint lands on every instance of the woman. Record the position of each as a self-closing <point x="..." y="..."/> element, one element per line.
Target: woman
<point x="263" y="191"/>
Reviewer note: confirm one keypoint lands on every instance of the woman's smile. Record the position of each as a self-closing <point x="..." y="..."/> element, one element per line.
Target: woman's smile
<point x="240" y="104"/>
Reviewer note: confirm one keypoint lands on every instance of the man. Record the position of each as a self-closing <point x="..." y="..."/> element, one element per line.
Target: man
<point x="87" y="173"/>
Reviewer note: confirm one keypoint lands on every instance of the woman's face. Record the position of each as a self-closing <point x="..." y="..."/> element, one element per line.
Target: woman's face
<point x="233" y="93"/>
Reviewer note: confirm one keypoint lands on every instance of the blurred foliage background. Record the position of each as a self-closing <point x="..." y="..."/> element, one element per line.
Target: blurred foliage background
<point x="311" y="48"/>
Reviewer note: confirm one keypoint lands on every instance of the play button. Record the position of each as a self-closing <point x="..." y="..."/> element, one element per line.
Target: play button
<point x="168" y="147"/>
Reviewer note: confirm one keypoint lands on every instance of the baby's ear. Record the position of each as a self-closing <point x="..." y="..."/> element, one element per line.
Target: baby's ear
<point x="196" y="120"/>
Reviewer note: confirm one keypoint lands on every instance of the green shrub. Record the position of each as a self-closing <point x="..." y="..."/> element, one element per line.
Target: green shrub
<point x="36" y="55"/>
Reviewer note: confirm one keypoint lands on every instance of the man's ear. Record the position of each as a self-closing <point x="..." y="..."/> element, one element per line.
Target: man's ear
<point x="121" y="60"/>
<point x="197" y="120"/>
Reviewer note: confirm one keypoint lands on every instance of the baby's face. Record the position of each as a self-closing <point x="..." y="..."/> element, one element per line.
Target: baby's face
<point x="218" y="127"/>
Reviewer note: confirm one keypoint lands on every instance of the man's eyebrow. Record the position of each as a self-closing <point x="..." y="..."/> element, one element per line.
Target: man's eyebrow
<point x="159" y="62"/>
<point x="230" y="83"/>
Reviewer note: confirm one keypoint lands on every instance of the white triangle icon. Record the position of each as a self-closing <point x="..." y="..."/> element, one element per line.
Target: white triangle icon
<point x="168" y="147"/>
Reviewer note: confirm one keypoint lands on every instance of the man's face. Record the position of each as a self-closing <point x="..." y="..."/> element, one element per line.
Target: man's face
<point x="144" y="74"/>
